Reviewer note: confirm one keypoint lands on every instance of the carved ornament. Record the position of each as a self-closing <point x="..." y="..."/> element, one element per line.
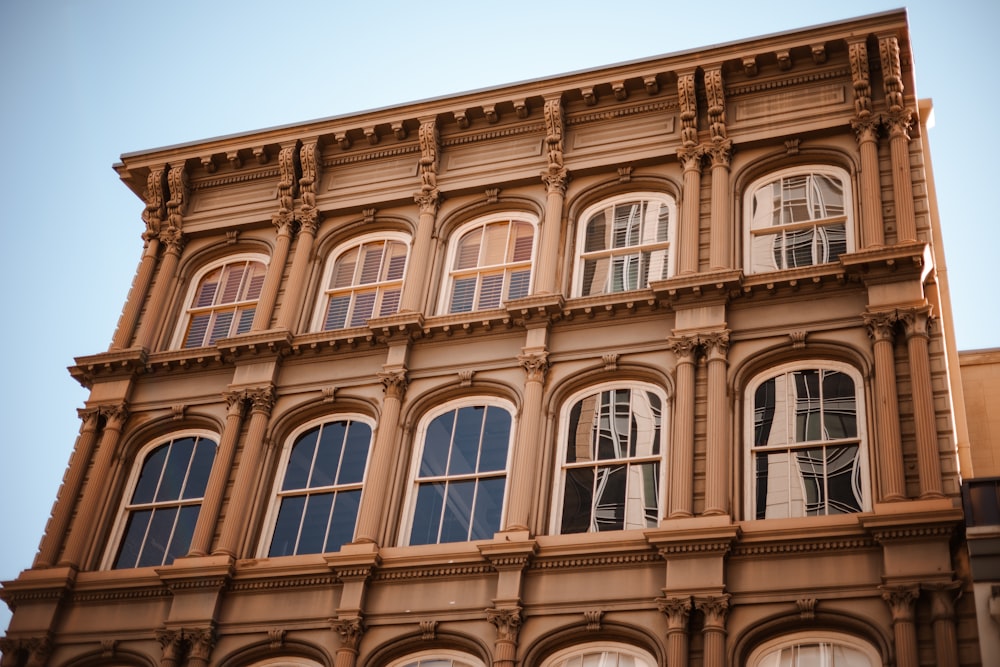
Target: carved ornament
<point x="593" y="617"/>
<point x="507" y="622"/>
<point x="689" y="109"/>
<point x="428" y="630"/>
<point x="155" y="209"/>
<point x="311" y="166"/>
<point x="350" y="631"/>
<point x="261" y="399"/>
<point x="858" y="54"/>
<point x="286" y="178"/>
<point x="177" y="187"/>
<point x="676" y="609"/>
<point x="716" y="103"/>
<point x="536" y="365"/>
<point x="554" y="124"/>
<point x="430" y="144"/>
<point x="902" y="601"/>
<point x="715" y="608"/>
<point x="892" y="78"/>
<point x="394" y="383"/>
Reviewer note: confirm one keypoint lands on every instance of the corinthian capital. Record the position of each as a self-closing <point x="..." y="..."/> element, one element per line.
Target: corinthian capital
<point x="715" y="608"/>
<point x="350" y="631"/>
<point x="555" y="179"/>
<point x="394" y="383"/>
<point x="202" y="641"/>
<point x="507" y="622"/>
<point x="536" y="365"/>
<point x="676" y="609"/>
<point x="690" y="157"/>
<point x="114" y="415"/>
<point x="881" y="325"/>
<point x="428" y="201"/>
<point x="683" y="348"/>
<point x="916" y="321"/>
<point x="261" y="399"/>
<point x="901" y="600"/>
<point x="716" y="344"/>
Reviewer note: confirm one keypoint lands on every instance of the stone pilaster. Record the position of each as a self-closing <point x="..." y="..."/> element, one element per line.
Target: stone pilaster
<point x="891" y="478"/>
<point x="527" y="448"/>
<point x="916" y="324"/>
<point x="682" y="450"/>
<point x="898" y="119"/>
<point x="717" y="462"/>
<point x="690" y="156"/>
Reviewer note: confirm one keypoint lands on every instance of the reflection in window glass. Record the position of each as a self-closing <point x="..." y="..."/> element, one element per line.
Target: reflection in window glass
<point x="611" y="470"/>
<point x="366" y="282"/>
<point x="625" y="245"/>
<point x="461" y="476"/>
<point x="163" y="510"/>
<point x="818" y="654"/>
<point x="798" y="220"/>
<point x="602" y="656"/>
<point x="806" y="448"/>
<point x="321" y="491"/>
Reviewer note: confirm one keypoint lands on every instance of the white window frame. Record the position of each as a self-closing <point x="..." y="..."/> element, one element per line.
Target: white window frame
<point x="436" y="658"/>
<point x="750" y="450"/>
<point x="177" y="343"/>
<point x="562" y="657"/>
<point x="559" y="486"/>
<point x="761" y="652"/>
<point x="444" y="300"/>
<point x="271" y="518"/>
<point x="118" y="531"/>
<point x="751" y="230"/>
<point x="323" y="296"/>
<point x="413" y="483"/>
<point x="581" y="236"/>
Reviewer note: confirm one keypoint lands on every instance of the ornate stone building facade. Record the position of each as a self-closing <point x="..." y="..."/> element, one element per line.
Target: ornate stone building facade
<point x="642" y="365"/>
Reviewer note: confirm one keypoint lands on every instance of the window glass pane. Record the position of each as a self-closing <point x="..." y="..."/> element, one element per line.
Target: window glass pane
<point x="343" y="270"/>
<point x="286" y="529"/>
<point x="336" y="312"/>
<point x="465" y="448"/>
<point x="596" y="236"/>
<point x="245" y="320"/>
<point x="197" y="330"/>
<point x="256" y="281"/>
<point x="390" y="302"/>
<point x="462" y="294"/>
<point x="646" y="491"/>
<point x="523" y="235"/>
<point x="437" y="443"/>
<point x="206" y="291"/>
<point x="489" y="505"/>
<point x="577" y="500"/>
<point x="345" y="516"/>
<point x="371" y="263"/>
<point x="519" y="283"/>
<point x="807" y="405"/>
<point x="494" y="244"/>
<point x="220" y="329"/>
<point x="467" y="256"/>
<point x="149" y="478"/>
<point x="300" y="461"/>
<point x="609" y="498"/>
<point x="181" y="542"/>
<point x="397" y="261"/>
<point x="839" y="409"/>
<point x="352" y="468"/>
<point x="201" y="467"/>
<point x="496" y="439"/>
<point x="135" y="533"/>
<point x="427" y="513"/>
<point x="491" y="292"/>
<point x="763" y="412"/>
<point x="364" y="306"/>
<point x="312" y="537"/>
<point x="458" y="511"/>
<point x="595" y="276"/>
<point x="158" y="537"/>
<point x="233" y="278"/>
<point x="175" y="470"/>
<point x="843" y="479"/>
<point x="331" y="443"/>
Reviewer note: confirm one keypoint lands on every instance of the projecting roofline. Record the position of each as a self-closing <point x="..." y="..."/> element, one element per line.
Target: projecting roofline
<point x="702" y="51"/>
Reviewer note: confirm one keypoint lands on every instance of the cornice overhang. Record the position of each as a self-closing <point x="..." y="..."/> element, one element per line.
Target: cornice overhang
<point x="260" y="345"/>
<point x="609" y="306"/>
<point x="699" y="289"/>
<point x="906" y="261"/>
<point x="118" y="364"/>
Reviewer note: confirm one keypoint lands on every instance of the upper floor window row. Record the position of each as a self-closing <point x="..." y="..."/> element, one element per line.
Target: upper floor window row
<point x="223" y="301"/>
<point x="363" y="279"/>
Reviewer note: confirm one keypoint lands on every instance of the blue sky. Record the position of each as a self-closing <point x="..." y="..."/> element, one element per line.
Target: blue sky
<point x="83" y="82"/>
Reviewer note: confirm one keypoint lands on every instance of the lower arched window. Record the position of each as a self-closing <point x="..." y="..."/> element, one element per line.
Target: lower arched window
<point x="166" y="493"/>
<point x="815" y="649"/>
<point x="805" y="428"/>
<point x="439" y="658"/>
<point x="601" y="655"/>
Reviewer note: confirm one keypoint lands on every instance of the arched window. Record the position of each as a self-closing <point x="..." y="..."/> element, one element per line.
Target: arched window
<point x="316" y="504"/>
<point x="223" y="301"/>
<point x="611" y="454"/>
<point x="798" y="217"/>
<point x="166" y="491"/>
<point x="459" y="475"/>
<point x="362" y="280"/>
<point x="805" y="428"/>
<point x="489" y="263"/>
<point x="625" y="242"/>
<point x="604" y="654"/>
<point x="815" y="649"/>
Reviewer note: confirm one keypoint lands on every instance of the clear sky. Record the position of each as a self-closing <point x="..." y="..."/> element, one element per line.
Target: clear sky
<point x="82" y="82"/>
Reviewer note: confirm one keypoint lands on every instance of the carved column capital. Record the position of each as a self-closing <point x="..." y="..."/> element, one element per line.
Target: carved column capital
<point x="114" y="416"/>
<point x="899" y="123"/>
<point x="536" y="365"/>
<point x="350" y="630"/>
<point x="690" y="157"/>
<point x="684" y="348"/>
<point x="394" y="383"/>
<point x="881" y="325"/>
<point x="308" y="218"/>
<point x="866" y="129"/>
<point x="428" y="201"/>
<point x="943" y="599"/>
<point x="172" y="238"/>
<point x="716" y="345"/>
<point x="676" y="609"/>
<point x="555" y="179"/>
<point x="715" y="608"/>
<point x="235" y="402"/>
<point x="916" y="322"/>
<point x="902" y="601"/>
<point x="720" y="153"/>
<point x="507" y="622"/>
<point x="261" y="399"/>
<point x="171" y="645"/>
<point x="202" y="641"/>
<point x="283" y="221"/>
<point x="38" y="649"/>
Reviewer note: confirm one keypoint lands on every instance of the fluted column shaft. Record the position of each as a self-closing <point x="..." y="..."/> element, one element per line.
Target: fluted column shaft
<point x="677" y="610"/>
<point x="872" y="230"/>
<point x="161" y="290"/>
<point x="720" y="252"/>
<point x="383" y="454"/>
<point x="901" y="601"/>
<point x="527" y="448"/>
<point x="55" y="531"/>
<point x="943" y="614"/>
<point x="136" y="295"/>
<point x="715" y="608"/>
<point x="292" y="304"/>
<point x="688" y="237"/>
<point x="717" y="455"/>
<point x="208" y="517"/>
<point x="682" y="452"/>
<point x="891" y="476"/>
<point x="421" y="256"/>
<point x="902" y="185"/>
<point x="928" y="459"/>
<point x="275" y="269"/>
<point x="548" y="246"/>
<point x="235" y="523"/>
<point x="84" y="527"/>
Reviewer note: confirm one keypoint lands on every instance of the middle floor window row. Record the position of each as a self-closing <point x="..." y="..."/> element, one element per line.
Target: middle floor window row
<point x="793" y="218"/>
<point x="805" y="454"/>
